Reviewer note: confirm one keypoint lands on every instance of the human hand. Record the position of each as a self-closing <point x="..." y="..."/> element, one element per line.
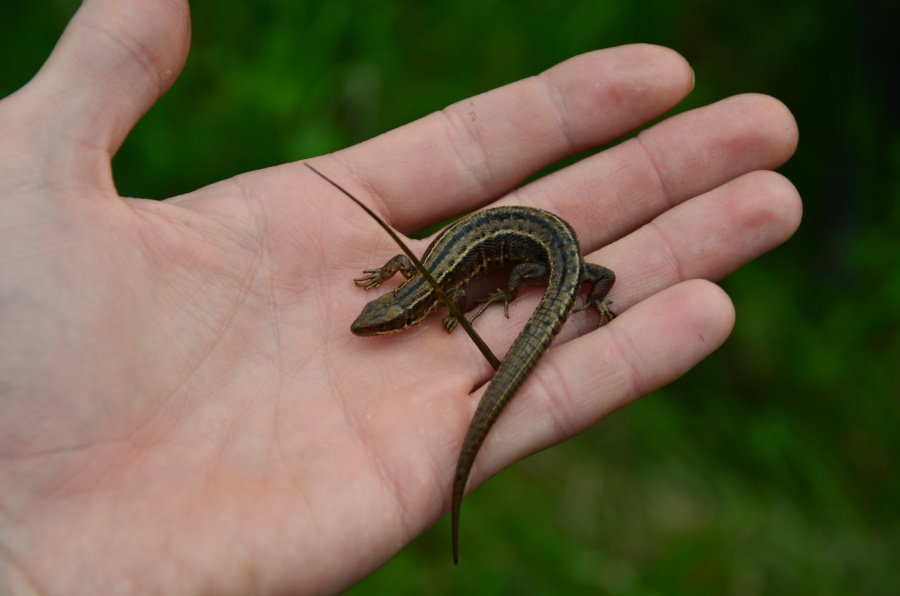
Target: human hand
<point x="184" y="407"/>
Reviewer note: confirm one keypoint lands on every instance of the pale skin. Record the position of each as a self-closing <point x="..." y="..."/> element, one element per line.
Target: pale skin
<point x="184" y="408"/>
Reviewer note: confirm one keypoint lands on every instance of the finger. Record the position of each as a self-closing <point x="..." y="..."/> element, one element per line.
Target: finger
<point x="480" y="148"/>
<point x="612" y="193"/>
<point x="585" y="380"/>
<point x="114" y="60"/>
<point x="707" y="237"/>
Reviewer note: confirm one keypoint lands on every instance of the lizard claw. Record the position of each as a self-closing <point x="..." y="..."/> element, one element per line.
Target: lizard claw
<point x="373" y="280"/>
<point x="603" y="308"/>
<point x="492" y="298"/>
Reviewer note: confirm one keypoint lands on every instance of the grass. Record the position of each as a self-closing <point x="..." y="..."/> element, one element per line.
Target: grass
<point x="769" y="469"/>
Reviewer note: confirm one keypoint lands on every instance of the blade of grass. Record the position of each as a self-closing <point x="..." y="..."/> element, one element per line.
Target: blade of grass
<point x="482" y="347"/>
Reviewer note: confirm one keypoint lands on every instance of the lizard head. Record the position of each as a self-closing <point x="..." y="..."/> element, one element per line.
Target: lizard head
<point x="382" y="316"/>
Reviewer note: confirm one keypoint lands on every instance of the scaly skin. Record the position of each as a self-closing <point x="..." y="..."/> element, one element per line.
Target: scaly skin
<point x="538" y="246"/>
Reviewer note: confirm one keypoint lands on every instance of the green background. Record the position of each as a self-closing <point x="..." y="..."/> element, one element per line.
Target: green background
<point x="772" y="468"/>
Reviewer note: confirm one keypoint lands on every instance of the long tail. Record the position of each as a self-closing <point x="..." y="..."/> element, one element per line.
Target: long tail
<point x="521" y="359"/>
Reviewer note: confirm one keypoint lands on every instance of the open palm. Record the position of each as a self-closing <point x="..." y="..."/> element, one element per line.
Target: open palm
<point x="184" y="407"/>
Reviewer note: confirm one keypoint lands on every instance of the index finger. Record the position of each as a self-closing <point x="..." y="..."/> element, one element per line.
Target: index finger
<point x="478" y="149"/>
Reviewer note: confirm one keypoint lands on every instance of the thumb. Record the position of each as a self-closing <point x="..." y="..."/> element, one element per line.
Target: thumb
<point x="114" y="60"/>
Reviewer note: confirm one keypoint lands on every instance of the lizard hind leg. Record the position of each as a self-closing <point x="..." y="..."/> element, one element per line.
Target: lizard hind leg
<point x="601" y="280"/>
<point x="521" y="273"/>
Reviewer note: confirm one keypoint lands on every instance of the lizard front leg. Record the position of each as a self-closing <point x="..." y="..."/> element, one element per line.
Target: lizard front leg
<point x="378" y="276"/>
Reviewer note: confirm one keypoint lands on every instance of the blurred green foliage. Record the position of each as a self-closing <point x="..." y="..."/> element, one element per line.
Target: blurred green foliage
<point x="772" y="468"/>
